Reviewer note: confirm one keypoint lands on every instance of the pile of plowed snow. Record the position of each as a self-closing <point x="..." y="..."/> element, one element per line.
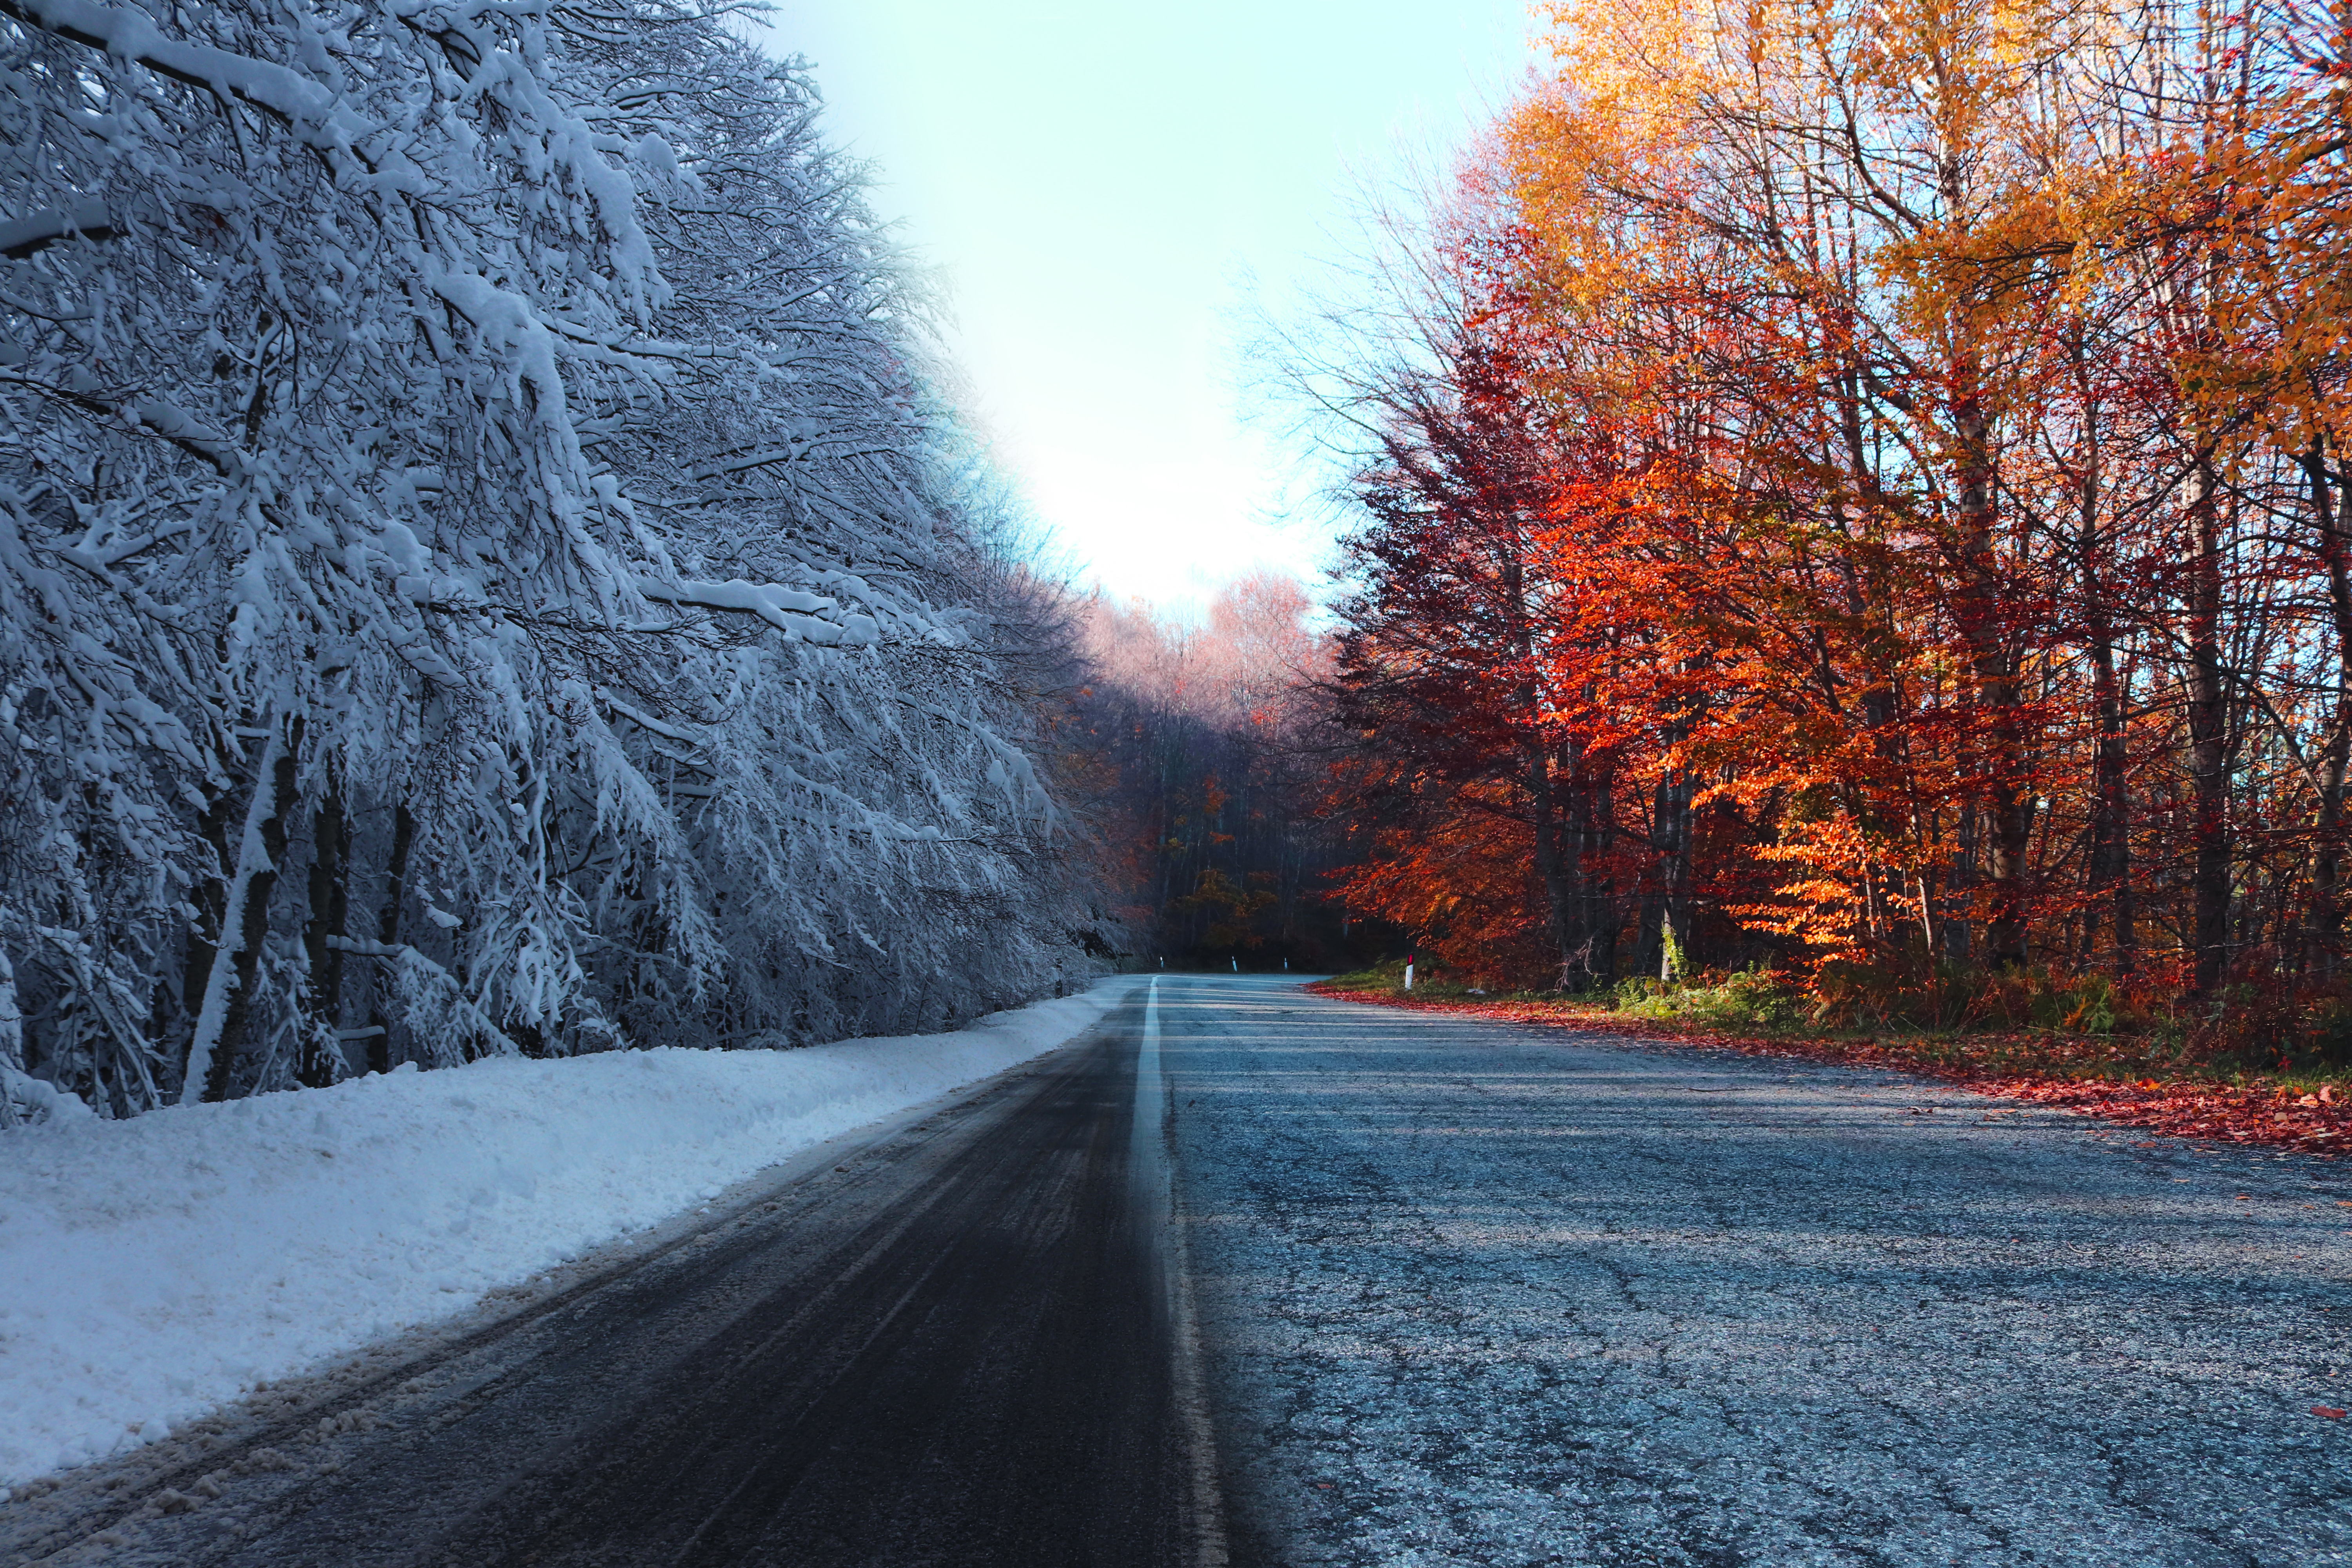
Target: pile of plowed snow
<point x="155" y="1269"/>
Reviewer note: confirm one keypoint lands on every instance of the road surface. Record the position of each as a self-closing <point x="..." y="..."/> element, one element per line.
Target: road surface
<point x="955" y="1348"/>
<point x="1493" y="1296"/>
<point x="1457" y="1293"/>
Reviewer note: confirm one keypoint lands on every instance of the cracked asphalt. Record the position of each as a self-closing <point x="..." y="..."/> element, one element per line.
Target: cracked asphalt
<point x="1477" y="1294"/>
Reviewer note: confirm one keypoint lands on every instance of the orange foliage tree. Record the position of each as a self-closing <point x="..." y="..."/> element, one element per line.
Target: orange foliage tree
<point x="1865" y="488"/>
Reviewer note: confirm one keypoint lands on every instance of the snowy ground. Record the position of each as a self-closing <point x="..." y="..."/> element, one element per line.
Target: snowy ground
<point x="152" y="1269"/>
<point x="1488" y="1297"/>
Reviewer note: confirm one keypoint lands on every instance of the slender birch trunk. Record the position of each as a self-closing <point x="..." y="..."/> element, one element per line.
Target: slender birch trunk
<point x="229" y="992"/>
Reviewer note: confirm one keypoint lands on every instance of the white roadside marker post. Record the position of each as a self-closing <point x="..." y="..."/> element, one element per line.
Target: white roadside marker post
<point x="1408" y="970"/>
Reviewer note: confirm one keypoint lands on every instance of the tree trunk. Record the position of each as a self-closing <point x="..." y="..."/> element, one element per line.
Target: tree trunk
<point x="210" y="896"/>
<point x="12" y="1040"/>
<point x="228" y="991"/>
<point x="2008" y="806"/>
<point x="331" y="899"/>
<point x="2110" y="867"/>
<point x="2109" y="871"/>
<point x="1959" y="885"/>
<point x="1672" y="814"/>
<point x="2111" y="805"/>
<point x="1559" y="919"/>
<point x="2324" y="933"/>
<point x="395" y="889"/>
<point x="2209" y="738"/>
<point x="1665" y="922"/>
<point x="1595" y="817"/>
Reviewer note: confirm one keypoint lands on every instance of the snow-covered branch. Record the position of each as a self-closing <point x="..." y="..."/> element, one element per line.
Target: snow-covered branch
<point x="464" y="459"/>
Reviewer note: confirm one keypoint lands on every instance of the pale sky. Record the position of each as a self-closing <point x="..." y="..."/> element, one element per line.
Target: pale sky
<point x="1095" y="183"/>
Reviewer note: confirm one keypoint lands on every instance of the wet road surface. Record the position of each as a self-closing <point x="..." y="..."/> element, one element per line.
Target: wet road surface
<point x="955" y="1349"/>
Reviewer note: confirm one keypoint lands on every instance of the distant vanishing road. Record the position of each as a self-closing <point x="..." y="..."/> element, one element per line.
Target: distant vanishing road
<point x="1384" y="1288"/>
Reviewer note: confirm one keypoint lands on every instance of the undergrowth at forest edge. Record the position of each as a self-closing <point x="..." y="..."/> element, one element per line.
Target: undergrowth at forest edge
<point x="2263" y="1067"/>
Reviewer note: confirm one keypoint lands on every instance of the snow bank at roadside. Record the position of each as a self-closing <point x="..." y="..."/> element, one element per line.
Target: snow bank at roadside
<point x="152" y="1269"/>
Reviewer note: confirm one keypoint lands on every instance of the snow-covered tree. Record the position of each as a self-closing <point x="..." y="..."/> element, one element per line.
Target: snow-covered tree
<point x="478" y="568"/>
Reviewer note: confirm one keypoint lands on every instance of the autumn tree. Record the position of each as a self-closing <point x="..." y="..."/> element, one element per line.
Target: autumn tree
<point x="1913" y="433"/>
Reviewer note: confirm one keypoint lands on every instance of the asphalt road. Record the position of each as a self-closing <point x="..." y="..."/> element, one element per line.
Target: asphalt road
<point x="1357" y="1287"/>
<point x="1492" y="1296"/>
<point x="960" y="1347"/>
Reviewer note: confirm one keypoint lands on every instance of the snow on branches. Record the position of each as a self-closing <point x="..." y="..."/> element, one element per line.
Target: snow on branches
<point x="473" y="575"/>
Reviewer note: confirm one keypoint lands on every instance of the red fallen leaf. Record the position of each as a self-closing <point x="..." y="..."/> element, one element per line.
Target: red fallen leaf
<point x="2327" y="1411"/>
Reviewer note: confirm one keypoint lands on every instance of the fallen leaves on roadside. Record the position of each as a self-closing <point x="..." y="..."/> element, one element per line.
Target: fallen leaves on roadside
<point x="2183" y="1108"/>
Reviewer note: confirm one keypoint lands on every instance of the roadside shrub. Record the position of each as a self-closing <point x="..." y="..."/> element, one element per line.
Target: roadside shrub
<point x="1751" y="999"/>
<point x="2264" y="1021"/>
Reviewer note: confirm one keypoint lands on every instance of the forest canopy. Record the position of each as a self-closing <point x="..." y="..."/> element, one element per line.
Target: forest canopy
<point x="1850" y="493"/>
<point x="1862" y="491"/>
<point x="482" y="569"/>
